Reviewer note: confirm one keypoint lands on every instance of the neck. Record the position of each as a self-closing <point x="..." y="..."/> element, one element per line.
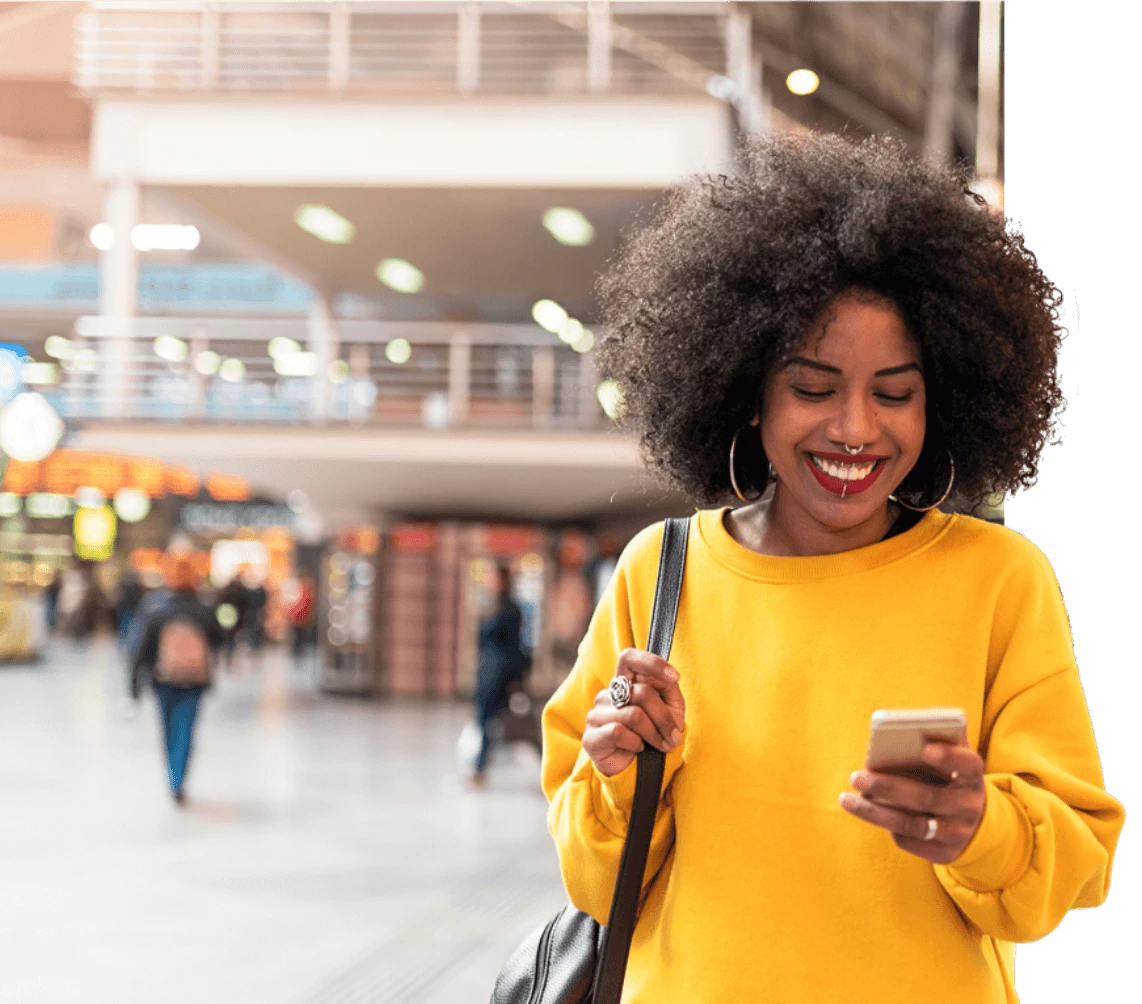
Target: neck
<point x="782" y="529"/>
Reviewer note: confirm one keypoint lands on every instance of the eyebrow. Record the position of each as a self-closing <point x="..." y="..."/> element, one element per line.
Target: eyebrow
<point x="825" y="368"/>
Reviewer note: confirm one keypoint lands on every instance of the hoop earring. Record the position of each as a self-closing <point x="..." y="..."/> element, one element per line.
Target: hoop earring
<point x="733" y="475"/>
<point x="943" y="498"/>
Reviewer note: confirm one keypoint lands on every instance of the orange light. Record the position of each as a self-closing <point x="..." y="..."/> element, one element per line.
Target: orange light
<point x="227" y="488"/>
<point x="22" y="477"/>
<point x="148" y="476"/>
<point x="146" y="559"/>
<point x="182" y="481"/>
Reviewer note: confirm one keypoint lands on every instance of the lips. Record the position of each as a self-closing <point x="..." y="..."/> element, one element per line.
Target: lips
<point x="846" y="488"/>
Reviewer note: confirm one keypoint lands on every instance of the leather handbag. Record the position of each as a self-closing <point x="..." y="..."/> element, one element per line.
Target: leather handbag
<point x="571" y="959"/>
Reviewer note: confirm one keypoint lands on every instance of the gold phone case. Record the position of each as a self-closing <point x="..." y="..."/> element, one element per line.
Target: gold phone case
<point x="896" y="737"/>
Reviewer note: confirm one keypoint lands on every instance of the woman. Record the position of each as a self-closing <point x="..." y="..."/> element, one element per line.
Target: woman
<point x="502" y="663"/>
<point x="845" y="338"/>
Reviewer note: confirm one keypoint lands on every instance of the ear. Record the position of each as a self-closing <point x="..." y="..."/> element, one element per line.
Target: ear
<point x="756" y="420"/>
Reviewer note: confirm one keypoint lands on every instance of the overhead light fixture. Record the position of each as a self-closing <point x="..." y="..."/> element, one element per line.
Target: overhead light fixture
<point x="549" y="315"/>
<point x="570" y="330"/>
<point x="131" y="505"/>
<point x="57" y="347"/>
<point x="282" y="346"/>
<point x="36" y="374"/>
<point x="29" y="427"/>
<point x="568" y="226"/>
<point x="165" y="237"/>
<point x="207" y="362"/>
<point x="89" y="498"/>
<point x="610" y="395"/>
<point x="401" y="275"/>
<point x="802" y="81"/>
<point x="338" y="371"/>
<point x="173" y="350"/>
<point x="325" y="224"/>
<point x="232" y="370"/>
<point x="102" y="237"/>
<point x="398" y="351"/>
<point x="297" y="364"/>
<point x="585" y="342"/>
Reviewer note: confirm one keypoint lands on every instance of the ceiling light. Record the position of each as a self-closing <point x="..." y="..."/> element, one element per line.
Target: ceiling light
<point x="324" y="224"/>
<point x="29" y="427"/>
<point x="585" y="342"/>
<point x="297" y="364"/>
<point x="338" y="371"/>
<point x="282" y="346"/>
<point x="570" y="330"/>
<point x="398" y="351"/>
<point x="206" y="362"/>
<point x="36" y="374"/>
<point x="102" y="237"/>
<point x="549" y="315"/>
<point x="232" y="370"/>
<point x="131" y="505"/>
<point x="802" y="81"/>
<point x="57" y="347"/>
<point x="610" y="395"/>
<point x="401" y="275"/>
<point x="568" y="226"/>
<point x="164" y="237"/>
<point x="173" y="350"/>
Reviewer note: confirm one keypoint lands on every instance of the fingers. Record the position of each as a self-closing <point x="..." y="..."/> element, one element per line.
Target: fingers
<point x="959" y="763"/>
<point x="646" y="715"/>
<point x="910" y="831"/>
<point x="955" y="801"/>
<point x="645" y="667"/>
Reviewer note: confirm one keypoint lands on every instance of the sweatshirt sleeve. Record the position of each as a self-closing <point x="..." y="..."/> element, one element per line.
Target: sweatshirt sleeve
<point x="1049" y="829"/>
<point x="589" y="812"/>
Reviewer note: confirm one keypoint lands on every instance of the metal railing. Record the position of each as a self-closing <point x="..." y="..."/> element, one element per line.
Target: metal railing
<point x="407" y="47"/>
<point x="432" y="375"/>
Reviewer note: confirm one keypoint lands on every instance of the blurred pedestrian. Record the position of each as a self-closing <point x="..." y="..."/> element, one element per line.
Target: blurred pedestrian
<point x="175" y="652"/>
<point x="502" y="662"/>
<point x="232" y="607"/>
<point x="51" y="600"/>
<point x="255" y="627"/>
<point x="127" y="604"/>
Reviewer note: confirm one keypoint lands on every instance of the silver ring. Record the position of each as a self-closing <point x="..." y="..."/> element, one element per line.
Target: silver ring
<point x="933" y="826"/>
<point x="620" y="691"/>
<point x="852" y="451"/>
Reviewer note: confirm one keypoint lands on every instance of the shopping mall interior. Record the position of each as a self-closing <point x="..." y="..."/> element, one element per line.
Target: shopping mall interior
<point x="304" y="292"/>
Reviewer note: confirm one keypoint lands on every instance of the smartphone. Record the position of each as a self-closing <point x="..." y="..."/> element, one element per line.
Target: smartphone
<point x="896" y="739"/>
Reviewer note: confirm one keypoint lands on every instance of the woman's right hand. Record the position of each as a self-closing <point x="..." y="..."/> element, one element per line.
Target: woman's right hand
<point x="656" y="713"/>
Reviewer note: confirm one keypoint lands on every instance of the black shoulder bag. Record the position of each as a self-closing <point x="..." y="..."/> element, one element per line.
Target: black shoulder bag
<point x="571" y="959"/>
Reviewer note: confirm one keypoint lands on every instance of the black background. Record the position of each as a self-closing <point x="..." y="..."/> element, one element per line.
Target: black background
<point x="1066" y="186"/>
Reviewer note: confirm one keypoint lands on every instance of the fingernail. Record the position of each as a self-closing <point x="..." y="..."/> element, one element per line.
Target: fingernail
<point x="848" y="799"/>
<point x="676" y="736"/>
<point x="933" y="753"/>
<point x="671" y="674"/>
<point x="859" y="780"/>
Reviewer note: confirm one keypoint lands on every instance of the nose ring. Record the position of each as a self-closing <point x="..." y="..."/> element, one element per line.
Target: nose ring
<point x="852" y="451"/>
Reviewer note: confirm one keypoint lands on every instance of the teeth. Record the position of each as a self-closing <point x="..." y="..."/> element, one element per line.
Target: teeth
<point x="843" y="472"/>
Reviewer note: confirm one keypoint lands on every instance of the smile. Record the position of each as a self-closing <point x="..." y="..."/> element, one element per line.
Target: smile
<point x="845" y="476"/>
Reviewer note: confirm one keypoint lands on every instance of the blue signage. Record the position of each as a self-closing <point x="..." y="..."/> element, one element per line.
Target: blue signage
<point x="224" y="287"/>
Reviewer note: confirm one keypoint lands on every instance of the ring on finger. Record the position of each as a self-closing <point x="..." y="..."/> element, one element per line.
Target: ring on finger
<point x="620" y="691"/>
<point x="933" y="828"/>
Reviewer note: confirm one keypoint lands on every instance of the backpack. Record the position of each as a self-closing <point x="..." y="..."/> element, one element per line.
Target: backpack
<point x="184" y="654"/>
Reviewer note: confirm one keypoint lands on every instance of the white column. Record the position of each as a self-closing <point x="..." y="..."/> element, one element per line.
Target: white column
<point x="542" y="387"/>
<point x="324" y="342"/>
<point x="743" y="67"/>
<point x="939" y="134"/>
<point x="118" y="293"/>
<point x="598" y="45"/>
<point x="459" y="377"/>
<point x="468" y="47"/>
<point x="987" y="117"/>
<point x="340" y="28"/>
<point x="210" y="47"/>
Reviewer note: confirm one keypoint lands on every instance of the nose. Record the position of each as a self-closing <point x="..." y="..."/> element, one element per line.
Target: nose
<point x="854" y="422"/>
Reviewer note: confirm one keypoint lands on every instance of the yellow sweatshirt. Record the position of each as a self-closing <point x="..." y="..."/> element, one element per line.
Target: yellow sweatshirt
<point x="759" y="886"/>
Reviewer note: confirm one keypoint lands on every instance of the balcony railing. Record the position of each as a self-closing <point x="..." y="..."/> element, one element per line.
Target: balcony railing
<point x="432" y="375"/>
<point x="409" y="48"/>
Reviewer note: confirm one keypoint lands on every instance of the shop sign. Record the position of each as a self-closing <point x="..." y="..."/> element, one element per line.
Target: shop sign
<point x="208" y="518"/>
<point x="95" y="533"/>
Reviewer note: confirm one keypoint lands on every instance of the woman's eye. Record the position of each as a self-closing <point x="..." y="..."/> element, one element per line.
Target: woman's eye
<point x="811" y="395"/>
<point x="896" y="399"/>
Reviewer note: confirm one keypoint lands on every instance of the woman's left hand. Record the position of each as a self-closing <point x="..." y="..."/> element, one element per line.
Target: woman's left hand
<point x="903" y="805"/>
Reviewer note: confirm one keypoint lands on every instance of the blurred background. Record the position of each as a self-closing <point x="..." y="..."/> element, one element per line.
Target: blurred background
<point x="304" y="291"/>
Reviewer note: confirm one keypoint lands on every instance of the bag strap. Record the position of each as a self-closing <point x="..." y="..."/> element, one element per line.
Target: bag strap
<point x="611" y="968"/>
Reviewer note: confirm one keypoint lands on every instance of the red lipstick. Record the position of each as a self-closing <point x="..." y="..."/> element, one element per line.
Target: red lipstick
<point x="846" y="488"/>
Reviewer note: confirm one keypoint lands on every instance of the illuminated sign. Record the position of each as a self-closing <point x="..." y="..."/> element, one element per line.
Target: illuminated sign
<point x="95" y="533"/>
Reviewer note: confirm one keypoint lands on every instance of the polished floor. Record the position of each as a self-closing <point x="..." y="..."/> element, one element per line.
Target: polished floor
<point x="328" y="852"/>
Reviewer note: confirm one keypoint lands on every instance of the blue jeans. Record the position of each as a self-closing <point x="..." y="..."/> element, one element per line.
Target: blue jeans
<point x="179" y="707"/>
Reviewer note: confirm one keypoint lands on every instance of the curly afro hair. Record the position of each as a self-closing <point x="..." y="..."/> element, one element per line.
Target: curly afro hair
<point x="731" y="273"/>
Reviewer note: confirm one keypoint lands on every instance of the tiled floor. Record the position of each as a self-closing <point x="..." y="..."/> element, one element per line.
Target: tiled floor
<point x="328" y="853"/>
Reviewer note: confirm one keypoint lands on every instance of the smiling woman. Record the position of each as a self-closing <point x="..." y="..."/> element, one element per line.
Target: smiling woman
<point x="842" y="337"/>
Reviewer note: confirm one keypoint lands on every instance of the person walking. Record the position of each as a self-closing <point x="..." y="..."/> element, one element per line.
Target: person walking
<point x="130" y="595"/>
<point x="502" y="662"/>
<point x="844" y="340"/>
<point x="175" y="651"/>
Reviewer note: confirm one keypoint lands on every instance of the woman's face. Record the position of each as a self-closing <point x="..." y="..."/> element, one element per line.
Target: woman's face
<point x="856" y="381"/>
